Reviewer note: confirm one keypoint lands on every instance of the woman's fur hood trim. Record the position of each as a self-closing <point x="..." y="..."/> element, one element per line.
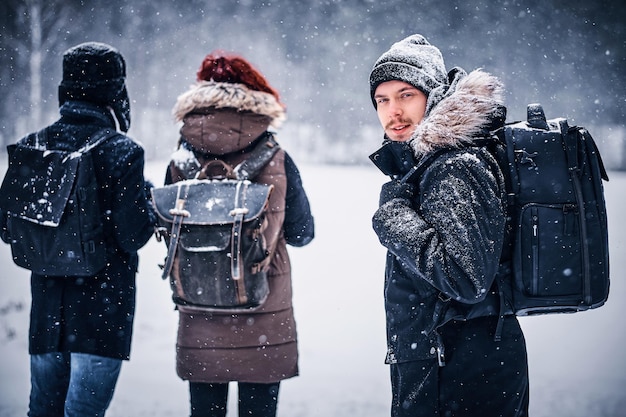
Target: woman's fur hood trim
<point x="218" y="94"/>
<point x="462" y="115"/>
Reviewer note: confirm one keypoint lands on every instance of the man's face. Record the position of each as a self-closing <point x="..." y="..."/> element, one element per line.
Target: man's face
<point x="400" y="108"/>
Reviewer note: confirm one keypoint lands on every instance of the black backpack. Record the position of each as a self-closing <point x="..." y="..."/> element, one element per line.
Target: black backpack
<point x="213" y="226"/>
<point x="50" y="199"/>
<point x="558" y="235"/>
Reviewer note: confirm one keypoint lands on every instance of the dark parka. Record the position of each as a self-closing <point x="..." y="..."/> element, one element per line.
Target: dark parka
<point x="444" y="242"/>
<point x="224" y="121"/>
<point x="95" y="314"/>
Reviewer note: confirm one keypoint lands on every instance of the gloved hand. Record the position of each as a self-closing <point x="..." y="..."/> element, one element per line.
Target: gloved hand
<point x="395" y="189"/>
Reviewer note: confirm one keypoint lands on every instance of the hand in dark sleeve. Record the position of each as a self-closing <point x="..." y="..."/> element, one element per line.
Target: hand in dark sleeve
<point x="299" y="226"/>
<point x="147" y="187"/>
<point x="395" y="189"/>
<point x="454" y="240"/>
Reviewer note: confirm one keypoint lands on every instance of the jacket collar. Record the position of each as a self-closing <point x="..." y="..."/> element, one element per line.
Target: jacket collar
<point x="99" y="115"/>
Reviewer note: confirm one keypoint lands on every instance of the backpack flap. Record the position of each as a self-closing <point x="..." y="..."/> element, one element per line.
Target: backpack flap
<point x="209" y="202"/>
<point x="54" y="219"/>
<point x="215" y="224"/>
<point x="541" y="167"/>
<point x="23" y="194"/>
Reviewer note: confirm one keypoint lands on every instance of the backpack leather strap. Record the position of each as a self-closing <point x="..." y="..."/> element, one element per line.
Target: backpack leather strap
<point x="236" y="264"/>
<point x="179" y="214"/>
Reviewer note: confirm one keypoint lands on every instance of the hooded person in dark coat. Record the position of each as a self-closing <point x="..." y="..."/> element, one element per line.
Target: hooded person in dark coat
<point x="454" y="349"/>
<point x="224" y="115"/>
<point x="81" y="327"/>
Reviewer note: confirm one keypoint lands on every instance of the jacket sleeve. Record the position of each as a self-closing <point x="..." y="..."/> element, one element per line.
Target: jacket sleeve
<point x="454" y="238"/>
<point x="299" y="225"/>
<point x="132" y="213"/>
<point x="4" y="234"/>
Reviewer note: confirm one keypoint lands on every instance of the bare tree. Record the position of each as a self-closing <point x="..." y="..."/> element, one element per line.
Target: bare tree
<point x="34" y="13"/>
<point x="33" y="30"/>
<point x="44" y="19"/>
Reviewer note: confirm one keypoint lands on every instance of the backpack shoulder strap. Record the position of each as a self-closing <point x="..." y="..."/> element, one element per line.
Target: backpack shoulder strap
<point x="416" y="172"/>
<point x="491" y="143"/>
<point x="591" y="144"/>
<point x="97" y="138"/>
<point x="258" y="158"/>
<point x="37" y="140"/>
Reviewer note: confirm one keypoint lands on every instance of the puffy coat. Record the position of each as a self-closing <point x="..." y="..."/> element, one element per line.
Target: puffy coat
<point x="223" y="121"/>
<point x="95" y="314"/>
<point x="444" y="243"/>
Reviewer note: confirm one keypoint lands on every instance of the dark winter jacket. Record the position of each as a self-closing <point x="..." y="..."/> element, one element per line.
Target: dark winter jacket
<point x="95" y="314"/>
<point x="444" y="240"/>
<point x="224" y="121"/>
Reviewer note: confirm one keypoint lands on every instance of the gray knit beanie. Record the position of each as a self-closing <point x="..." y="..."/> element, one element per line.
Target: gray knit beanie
<point x="412" y="60"/>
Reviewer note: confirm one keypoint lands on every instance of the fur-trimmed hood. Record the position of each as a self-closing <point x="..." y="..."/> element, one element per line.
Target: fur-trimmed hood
<point x="206" y="94"/>
<point x="469" y="107"/>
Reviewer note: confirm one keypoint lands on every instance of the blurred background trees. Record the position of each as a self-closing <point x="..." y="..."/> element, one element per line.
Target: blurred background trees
<point x="569" y="55"/>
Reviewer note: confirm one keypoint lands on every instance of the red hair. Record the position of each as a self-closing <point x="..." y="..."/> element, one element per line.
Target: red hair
<point x="220" y="67"/>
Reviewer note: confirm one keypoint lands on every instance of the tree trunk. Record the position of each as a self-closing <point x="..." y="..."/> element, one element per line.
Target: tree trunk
<point x="35" y="62"/>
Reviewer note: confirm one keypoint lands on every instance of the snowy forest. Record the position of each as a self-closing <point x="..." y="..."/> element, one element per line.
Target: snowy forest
<point x="569" y="55"/>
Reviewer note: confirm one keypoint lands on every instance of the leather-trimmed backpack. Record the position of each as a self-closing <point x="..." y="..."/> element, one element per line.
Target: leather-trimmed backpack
<point x="213" y="226"/>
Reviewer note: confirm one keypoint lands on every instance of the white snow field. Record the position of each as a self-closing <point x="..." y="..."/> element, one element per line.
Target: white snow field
<point x="577" y="361"/>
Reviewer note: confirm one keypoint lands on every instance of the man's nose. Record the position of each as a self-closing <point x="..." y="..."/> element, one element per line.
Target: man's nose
<point x="394" y="109"/>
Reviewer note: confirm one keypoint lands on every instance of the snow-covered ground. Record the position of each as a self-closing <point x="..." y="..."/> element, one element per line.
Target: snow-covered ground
<point x="577" y="362"/>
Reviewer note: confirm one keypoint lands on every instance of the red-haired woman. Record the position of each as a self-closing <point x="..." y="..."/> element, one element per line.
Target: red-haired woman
<point x="228" y="110"/>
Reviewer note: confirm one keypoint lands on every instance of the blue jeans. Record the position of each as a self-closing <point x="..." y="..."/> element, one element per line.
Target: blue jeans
<point x="67" y="384"/>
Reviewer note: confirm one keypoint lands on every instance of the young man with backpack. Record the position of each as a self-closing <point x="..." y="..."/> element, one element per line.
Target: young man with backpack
<point x="81" y="325"/>
<point x="452" y="346"/>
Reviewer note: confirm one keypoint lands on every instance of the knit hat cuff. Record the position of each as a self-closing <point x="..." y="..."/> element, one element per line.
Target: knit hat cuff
<point x="402" y="72"/>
